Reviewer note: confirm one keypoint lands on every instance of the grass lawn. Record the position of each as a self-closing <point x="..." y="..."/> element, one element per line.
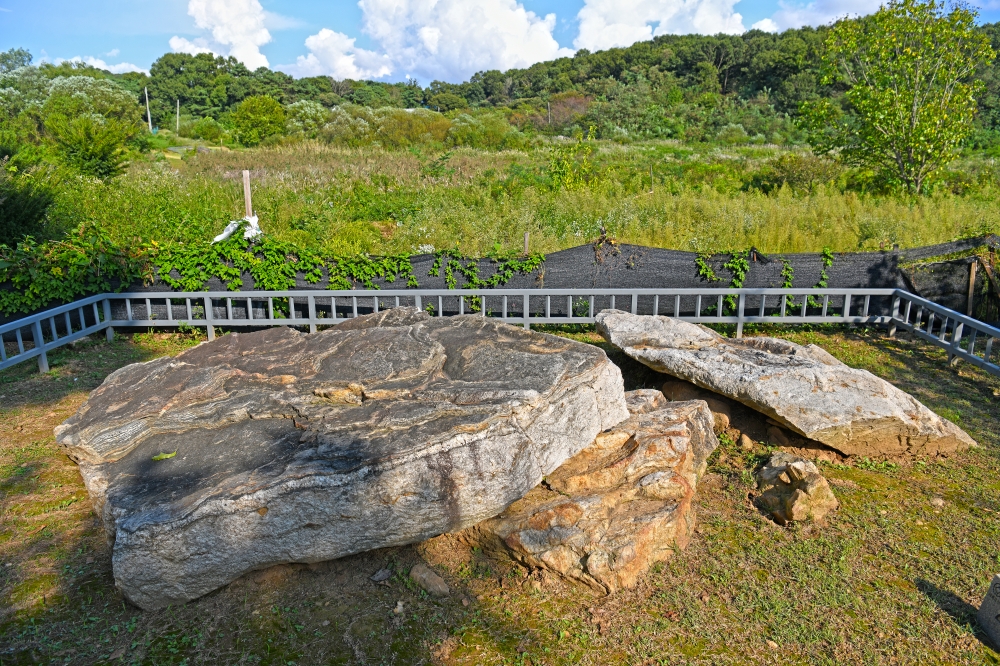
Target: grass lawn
<point x="891" y="579"/>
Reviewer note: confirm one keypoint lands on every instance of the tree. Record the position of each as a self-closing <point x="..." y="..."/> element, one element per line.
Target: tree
<point x="13" y="59"/>
<point x="447" y="101"/>
<point x="911" y="95"/>
<point x="256" y="118"/>
<point x="91" y="122"/>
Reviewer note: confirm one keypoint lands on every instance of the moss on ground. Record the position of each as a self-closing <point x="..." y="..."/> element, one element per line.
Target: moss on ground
<point x="892" y="578"/>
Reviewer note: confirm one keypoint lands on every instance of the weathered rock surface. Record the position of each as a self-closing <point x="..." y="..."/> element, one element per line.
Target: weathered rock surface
<point x="383" y="431"/>
<point x="610" y="512"/>
<point x="792" y="489"/>
<point x="804" y="389"/>
<point x="641" y="401"/>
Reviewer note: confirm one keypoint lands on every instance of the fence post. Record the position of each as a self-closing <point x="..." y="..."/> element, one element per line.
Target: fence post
<point x="312" y="312"/>
<point x="109" y="332"/>
<point x="209" y="328"/>
<point x="971" y="300"/>
<point x="895" y="316"/>
<point x="43" y="359"/>
<point x="739" y="316"/>
<point x="527" y="323"/>
<point x="956" y="344"/>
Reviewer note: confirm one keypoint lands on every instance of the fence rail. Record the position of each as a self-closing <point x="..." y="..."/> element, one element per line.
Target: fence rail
<point x="962" y="337"/>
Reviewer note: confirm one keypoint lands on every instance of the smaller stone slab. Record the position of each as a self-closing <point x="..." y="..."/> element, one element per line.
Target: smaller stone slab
<point x="989" y="612"/>
<point x="613" y="510"/>
<point x="802" y="388"/>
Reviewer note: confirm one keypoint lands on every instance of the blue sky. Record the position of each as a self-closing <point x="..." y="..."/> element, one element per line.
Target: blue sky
<point x="385" y="39"/>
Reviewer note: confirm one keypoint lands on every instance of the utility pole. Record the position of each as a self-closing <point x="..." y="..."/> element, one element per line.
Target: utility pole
<point x="149" y="118"/>
<point x="178" y="117"/>
<point x="650" y="178"/>
<point x="548" y="105"/>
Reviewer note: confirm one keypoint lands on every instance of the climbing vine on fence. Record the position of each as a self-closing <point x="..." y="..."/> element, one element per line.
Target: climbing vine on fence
<point x="826" y="256"/>
<point x="787" y="276"/>
<point x="33" y="275"/>
<point x="738" y="266"/>
<point x="453" y="263"/>
<point x="705" y="270"/>
<point x="87" y="261"/>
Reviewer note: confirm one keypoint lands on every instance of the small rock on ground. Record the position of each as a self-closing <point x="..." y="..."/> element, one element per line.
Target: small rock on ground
<point x="792" y="489"/>
<point x="429" y="581"/>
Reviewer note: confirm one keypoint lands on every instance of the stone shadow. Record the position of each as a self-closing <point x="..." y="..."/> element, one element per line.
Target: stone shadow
<point x="962" y="612"/>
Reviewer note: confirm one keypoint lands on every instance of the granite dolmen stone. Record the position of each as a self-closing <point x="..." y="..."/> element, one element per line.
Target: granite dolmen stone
<point x="804" y="389"/>
<point x="383" y="431"/>
<point x="989" y="612"/>
<point x="793" y="490"/>
<point x="617" y="507"/>
<point x="641" y="401"/>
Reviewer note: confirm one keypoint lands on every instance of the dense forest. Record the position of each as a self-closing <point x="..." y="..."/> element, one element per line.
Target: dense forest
<point x="732" y="88"/>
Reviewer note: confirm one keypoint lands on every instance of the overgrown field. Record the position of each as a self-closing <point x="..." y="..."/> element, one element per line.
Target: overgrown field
<point x="704" y="198"/>
<point x="892" y="579"/>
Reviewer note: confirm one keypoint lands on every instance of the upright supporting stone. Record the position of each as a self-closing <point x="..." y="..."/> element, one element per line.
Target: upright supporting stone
<point x="989" y="612"/>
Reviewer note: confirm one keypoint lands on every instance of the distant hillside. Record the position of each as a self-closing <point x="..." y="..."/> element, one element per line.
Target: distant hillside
<point x="693" y="87"/>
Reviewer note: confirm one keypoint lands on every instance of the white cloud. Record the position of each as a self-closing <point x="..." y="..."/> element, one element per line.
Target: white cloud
<point x="818" y="12"/>
<point x="112" y="53"/>
<point x="120" y="68"/>
<point x="446" y="39"/>
<point x="274" y="21"/>
<point x="609" y="23"/>
<point x="767" y="25"/>
<point x="238" y="28"/>
<point x="182" y="45"/>
<point x="334" y="54"/>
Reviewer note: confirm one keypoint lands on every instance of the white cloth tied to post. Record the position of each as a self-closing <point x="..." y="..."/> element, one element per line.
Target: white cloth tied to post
<point x="252" y="229"/>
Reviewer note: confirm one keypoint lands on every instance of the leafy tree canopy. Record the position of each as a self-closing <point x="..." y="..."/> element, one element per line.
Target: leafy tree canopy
<point x="911" y="93"/>
<point x="257" y="118"/>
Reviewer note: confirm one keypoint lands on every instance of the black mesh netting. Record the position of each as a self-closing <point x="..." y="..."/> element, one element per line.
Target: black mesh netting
<point x="608" y="265"/>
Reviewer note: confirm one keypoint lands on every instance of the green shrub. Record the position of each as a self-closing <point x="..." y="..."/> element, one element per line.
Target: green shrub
<point x="487" y="130"/>
<point x="208" y="129"/>
<point x="444" y="102"/>
<point x="257" y="118"/>
<point x="800" y="172"/>
<point x="24" y="199"/>
<point x="91" y="122"/>
<point x="306" y="118"/>
<point x="732" y="134"/>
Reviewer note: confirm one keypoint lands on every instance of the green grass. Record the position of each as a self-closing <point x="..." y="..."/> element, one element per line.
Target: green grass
<point x="891" y="579"/>
<point x="377" y="201"/>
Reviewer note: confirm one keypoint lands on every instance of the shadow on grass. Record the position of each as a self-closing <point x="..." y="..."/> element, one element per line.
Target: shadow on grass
<point x="963" y="613"/>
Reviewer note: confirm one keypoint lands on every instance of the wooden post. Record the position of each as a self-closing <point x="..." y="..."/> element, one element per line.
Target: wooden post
<point x="149" y="118"/>
<point x="548" y="105"/>
<point x="650" y="178"/>
<point x="526" y="243"/>
<point x="178" y="116"/>
<point x="246" y="193"/>
<point x="972" y="287"/>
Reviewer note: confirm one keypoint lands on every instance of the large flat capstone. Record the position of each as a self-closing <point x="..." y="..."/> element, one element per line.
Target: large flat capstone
<point x="802" y="388"/>
<point x="383" y="431"/>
